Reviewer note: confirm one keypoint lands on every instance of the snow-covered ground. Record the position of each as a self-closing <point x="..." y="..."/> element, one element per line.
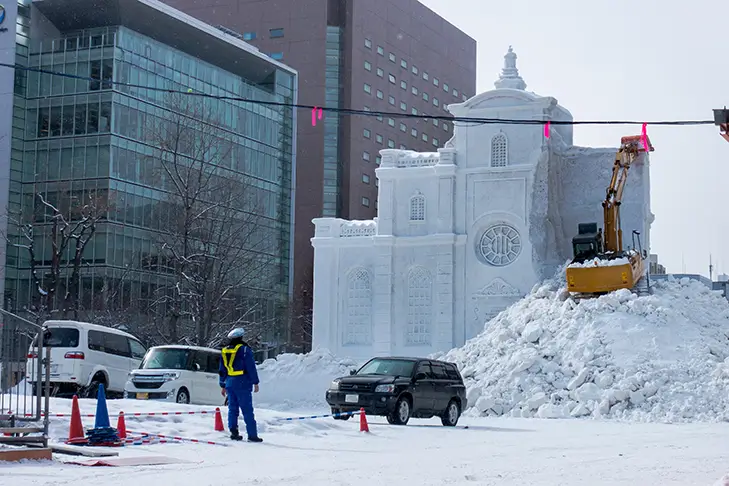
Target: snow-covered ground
<point x="492" y="451"/>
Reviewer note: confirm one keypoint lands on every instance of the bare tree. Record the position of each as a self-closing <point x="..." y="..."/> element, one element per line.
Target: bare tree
<point x="68" y="226"/>
<point x="217" y="246"/>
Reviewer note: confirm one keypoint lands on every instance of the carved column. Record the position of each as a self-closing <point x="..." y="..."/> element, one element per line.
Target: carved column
<point x="443" y="319"/>
<point x="382" y="296"/>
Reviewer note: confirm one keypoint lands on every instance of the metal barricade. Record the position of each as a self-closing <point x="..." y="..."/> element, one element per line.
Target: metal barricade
<point x="24" y="382"/>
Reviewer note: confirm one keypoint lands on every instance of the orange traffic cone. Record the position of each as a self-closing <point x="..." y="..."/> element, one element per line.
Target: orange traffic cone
<point x="121" y="426"/>
<point x="219" y="421"/>
<point x="363" y="427"/>
<point x="76" y="431"/>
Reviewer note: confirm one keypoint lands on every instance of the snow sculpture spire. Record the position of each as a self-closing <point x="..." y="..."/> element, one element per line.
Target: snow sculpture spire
<point x="509" y="77"/>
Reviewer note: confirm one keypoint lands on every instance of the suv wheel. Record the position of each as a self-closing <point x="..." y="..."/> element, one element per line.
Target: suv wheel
<point x="183" y="396"/>
<point x="401" y="414"/>
<point x="451" y="415"/>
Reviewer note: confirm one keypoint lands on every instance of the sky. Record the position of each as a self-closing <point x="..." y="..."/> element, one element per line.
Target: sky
<point x="642" y="60"/>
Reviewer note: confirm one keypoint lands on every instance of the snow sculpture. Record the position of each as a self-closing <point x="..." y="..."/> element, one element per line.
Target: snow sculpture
<point x="464" y="232"/>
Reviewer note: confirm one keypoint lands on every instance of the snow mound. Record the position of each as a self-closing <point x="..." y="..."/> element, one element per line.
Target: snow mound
<point x="299" y="381"/>
<point x="657" y="358"/>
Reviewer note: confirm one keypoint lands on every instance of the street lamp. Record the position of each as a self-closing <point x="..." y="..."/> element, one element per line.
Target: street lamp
<point x="721" y="119"/>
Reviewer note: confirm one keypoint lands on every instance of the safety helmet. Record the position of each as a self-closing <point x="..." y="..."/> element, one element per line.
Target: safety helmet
<point x="238" y="332"/>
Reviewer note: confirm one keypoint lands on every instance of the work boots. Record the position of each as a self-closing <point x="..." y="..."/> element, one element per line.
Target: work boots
<point x="234" y="435"/>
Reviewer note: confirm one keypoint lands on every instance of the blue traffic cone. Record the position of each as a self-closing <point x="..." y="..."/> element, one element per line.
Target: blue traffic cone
<point x="102" y="413"/>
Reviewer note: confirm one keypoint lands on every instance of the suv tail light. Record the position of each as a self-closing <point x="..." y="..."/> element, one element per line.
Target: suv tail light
<point x="74" y="355"/>
<point x="33" y="355"/>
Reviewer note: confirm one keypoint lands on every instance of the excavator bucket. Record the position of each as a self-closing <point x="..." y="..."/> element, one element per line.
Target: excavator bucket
<point x="604" y="278"/>
<point x="636" y="142"/>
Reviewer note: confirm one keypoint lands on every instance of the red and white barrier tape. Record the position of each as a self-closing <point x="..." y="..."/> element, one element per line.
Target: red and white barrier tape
<point x="130" y="414"/>
<point x="184" y="439"/>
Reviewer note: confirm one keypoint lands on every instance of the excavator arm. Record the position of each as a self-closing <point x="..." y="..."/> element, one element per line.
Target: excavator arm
<point x="630" y="148"/>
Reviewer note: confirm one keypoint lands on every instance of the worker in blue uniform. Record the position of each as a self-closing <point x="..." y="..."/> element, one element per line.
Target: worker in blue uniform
<point x="238" y="378"/>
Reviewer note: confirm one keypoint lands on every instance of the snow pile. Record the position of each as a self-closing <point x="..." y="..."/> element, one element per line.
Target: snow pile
<point x="724" y="481"/>
<point x="598" y="262"/>
<point x="300" y="381"/>
<point x="661" y="357"/>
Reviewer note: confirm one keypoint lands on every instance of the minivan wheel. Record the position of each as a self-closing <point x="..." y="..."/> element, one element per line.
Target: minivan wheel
<point x="92" y="391"/>
<point x="401" y="414"/>
<point x="183" y="396"/>
<point x="451" y="415"/>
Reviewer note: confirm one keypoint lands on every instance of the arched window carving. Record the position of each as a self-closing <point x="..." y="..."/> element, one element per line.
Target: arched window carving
<point x="499" y="150"/>
<point x="420" y="306"/>
<point x="358" y="316"/>
<point x="417" y="207"/>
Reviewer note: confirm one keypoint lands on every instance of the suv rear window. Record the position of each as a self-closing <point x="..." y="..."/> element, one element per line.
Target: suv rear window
<point x="452" y="371"/>
<point x="60" y="337"/>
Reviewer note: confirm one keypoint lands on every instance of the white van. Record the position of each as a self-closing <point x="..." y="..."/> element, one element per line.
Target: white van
<point x="182" y="374"/>
<point x="84" y="355"/>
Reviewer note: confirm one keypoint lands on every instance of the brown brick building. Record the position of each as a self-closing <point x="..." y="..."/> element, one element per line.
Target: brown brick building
<point x="380" y="55"/>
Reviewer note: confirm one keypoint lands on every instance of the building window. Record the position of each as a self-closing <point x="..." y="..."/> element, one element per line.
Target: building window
<point x="365" y="178"/>
<point x="424" y="137"/>
<point x="378" y="139"/>
<point x="379" y="117"/>
<point x="403" y="106"/>
<point x="414" y="90"/>
<point x="380" y="94"/>
<point x="391" y="100"/>
<point x="368" y="44"/>
<point x="420" y="306"/>
<point x="366" y="133"/>
<point x="249" y="36"/>
<point x="403" y="147"/>
<point x="365" y="201"/>
<point x="417" y="207"/>
<point x="277" y="55"/>
<point x="425" y="76"/>
<point x="425" y="96"/>
<point x="414" y="70"/>
<point x="500" y="245"/>
<point x="275" y="33"/>
<point x="380" y="51"/>
<point x="367" y="88"/>
<point x="464" y="97"/>
<point x="391" y="122"/>
<point x="380" y="72"/>
<point x="366" y="156"/>
<point x="445" y="87"/>
<point x="377" y="184"/>
<point x="436" y="102"/>
<point x="359" y="307"/>
<point x="414" y="111"/>
<point x="499" y="150"/>
<point x="403" y="127"/>
<point x="392" y="57"/>
<point x="390" y="143"/>
<point x="391" y="78"/>
<point x="378" y="160"/>
<point x="368" y="66"/>
<point x="404" y="85"/>
<point x="435" y="122"/>
<point x="403" y="64"/>
<point x="435" y="81"/>
<point x="445" y="127"/>
<point x="455" y="92"/>
<point x="414" y="132"/>
<point x="435" y="142"/>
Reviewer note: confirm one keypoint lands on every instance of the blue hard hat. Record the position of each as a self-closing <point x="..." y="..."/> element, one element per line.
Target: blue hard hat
<point x="238" y="332"/>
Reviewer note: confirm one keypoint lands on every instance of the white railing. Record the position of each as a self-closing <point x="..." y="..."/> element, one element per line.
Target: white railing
<point x="425" y="160"/>
<point x="358" y="228"/>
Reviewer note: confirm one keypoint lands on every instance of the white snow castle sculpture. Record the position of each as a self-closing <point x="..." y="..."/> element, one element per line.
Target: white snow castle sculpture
<point x="464" y="232"/>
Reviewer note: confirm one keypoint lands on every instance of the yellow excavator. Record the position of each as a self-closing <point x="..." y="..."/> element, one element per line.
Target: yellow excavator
<point x="600" y="263"/>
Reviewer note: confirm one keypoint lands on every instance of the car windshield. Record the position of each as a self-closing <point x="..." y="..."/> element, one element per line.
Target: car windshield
<point x="388" y="367"/>
<point x="165" y="359"/>
<point x="59" y="337"/>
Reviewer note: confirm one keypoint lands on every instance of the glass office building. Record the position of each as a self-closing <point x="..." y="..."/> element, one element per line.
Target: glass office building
<point x="85" y="137"/>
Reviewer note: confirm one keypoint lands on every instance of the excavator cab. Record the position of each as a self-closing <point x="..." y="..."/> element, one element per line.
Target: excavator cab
<point x="587" y="244"/>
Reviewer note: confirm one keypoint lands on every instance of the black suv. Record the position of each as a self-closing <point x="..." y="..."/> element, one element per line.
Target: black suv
<point x="400" y="388"/>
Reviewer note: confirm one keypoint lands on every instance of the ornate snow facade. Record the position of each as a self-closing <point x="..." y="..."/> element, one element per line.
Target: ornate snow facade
<point x="464" y="232"/>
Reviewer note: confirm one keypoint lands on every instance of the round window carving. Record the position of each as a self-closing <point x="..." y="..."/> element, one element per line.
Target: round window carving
<point x="500" y="245"/>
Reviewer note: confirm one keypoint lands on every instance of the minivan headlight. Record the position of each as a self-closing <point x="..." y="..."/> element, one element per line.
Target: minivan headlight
<point x="385" y="389"/>
<point x="334" y="385"/>
<point x="171" y="376"/>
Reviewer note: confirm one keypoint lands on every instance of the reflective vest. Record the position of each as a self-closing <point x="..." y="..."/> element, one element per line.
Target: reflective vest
<point x="228" y="357"/>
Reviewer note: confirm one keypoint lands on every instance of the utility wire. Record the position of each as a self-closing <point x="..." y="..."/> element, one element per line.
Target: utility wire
<point x="352" y="112"/>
